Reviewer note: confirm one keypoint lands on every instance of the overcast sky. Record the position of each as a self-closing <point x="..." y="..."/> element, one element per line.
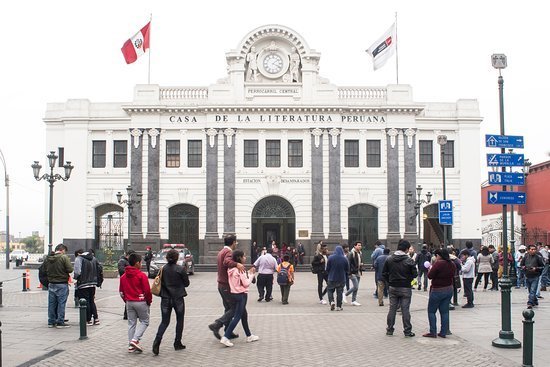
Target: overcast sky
<point x="58" y="50"/>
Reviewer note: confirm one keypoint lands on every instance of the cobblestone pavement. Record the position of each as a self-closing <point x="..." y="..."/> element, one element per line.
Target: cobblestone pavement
<point x="301" y="333"/>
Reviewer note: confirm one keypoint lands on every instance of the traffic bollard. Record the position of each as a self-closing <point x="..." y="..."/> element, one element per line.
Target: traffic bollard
<point x="24" y="281"/>
<point x="1" y="288"/>
<point x="83" y="319"/>
<point x="28" y="283"/>
<point x="528" y="338"/>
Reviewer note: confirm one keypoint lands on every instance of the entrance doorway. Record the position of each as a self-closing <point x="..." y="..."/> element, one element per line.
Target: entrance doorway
<point x="273" y="219"/>
<point x="183" y="227"/>
<point x="363" y="226"/>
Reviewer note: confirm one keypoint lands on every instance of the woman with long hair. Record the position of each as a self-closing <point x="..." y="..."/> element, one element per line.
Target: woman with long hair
<point x="442" y="275"/>
<point x="485" y="261"/>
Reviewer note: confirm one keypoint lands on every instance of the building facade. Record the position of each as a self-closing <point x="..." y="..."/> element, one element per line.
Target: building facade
<point x="273" y="151"/>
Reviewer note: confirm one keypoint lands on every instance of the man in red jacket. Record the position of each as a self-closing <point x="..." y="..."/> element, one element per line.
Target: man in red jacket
<point x="225" y="261"/>
<point x="135" y="291"/>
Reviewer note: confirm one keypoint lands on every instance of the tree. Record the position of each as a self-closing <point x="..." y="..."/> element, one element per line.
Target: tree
<point x="33" y="244"/>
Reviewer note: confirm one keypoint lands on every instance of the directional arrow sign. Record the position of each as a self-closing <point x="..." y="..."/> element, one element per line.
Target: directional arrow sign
<point x="507" y="178"/>
<point x="506" y="197"/>
<point x="503" y="141"/>
<point x="505" y="160"/>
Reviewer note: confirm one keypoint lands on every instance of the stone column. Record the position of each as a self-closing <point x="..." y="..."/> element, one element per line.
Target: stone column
<point x="211" y="183"/>
<point x="334" y="192"/>
<point x="393" y="236"/>
<point x="317" y="233"/>
<point x="410" y="185"/>
<point x="153" y="185"/>
<point x="229" y="181"/>
<point x="136" y="169"/>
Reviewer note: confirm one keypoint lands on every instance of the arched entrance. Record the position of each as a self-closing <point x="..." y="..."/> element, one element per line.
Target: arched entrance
<point x="432" y="231"/>
<point x="183" y="227"/>
<point x="363" y="226"/>
<point x="109" y="225"/>
<point x="273" y="219"/>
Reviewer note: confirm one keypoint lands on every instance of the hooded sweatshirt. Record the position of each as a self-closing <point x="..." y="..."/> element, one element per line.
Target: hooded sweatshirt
<point x="58" y="268"/>
<point x="134" y="286"/>
<point x="337" y="266"/>
<point x="399" y="270"/>
<point x="86" y="270"/>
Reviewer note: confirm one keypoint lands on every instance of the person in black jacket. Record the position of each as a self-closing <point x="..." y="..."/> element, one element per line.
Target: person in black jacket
<point x="319" y="267"/>
<point x="174" y="280"/>
<point x="423" y="256"/>
<point x="532" y="264"/>
<point x="398" y="272"/>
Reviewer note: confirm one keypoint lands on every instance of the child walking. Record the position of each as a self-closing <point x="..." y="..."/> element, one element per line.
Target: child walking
<point x="285" y="278"/>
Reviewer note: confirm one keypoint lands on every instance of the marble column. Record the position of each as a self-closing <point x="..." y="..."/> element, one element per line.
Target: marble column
<point x="410" y="185"/>
<point x="211" y="183"/>
<point x="334" y="191"/>
<point x="153" y="174"/>
<point x="317" y="233"/>
<point x="229" y="181"/>
<point x="136" y="174"/>
<point x="393" y="236"/>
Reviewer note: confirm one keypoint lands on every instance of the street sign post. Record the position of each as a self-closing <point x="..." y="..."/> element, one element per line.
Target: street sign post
<point x="507" y="178"/>
<point x="506" y="197"/>
<point x="446" y="212"/>
<point x="503" y="141"/>
<point x="505" y="160"/>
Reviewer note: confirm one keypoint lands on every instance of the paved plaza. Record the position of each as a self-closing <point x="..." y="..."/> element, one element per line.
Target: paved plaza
<point x="303" y="333"/>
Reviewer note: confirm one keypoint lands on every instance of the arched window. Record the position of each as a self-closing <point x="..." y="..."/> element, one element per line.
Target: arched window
<point x="363" y="225"/>
<point x="273" y="219"/>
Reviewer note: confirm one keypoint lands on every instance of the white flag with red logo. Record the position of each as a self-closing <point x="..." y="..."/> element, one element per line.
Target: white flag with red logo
<point x="383" y="48"/>
<point x="137" y="45"/>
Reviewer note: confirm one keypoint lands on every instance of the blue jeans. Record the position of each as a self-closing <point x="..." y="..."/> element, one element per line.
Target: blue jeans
<point x="57" y="299"/>
<point x="439" y="300"/>
<point x="240" y="315"/>
<point x="532" y="284"/>
<point x="520" y="277"/>
<point x="355" y="287"/>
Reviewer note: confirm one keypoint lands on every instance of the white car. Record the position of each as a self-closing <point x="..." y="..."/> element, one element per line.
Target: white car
<point x="20" y="255"/>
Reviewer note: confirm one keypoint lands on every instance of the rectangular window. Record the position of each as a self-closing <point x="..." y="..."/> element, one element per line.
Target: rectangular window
<point x="61" y="155"/>
<point x="120" y="159"/>
<point x="425" y="153"/>
<point x="273" y="153"/>
<point x="98" y="153"/>
<point x="351" y="153"/>
<point x="251" y="153"/>
<point x="295" y="153"/>
<point x="449" y="154"/>
<point x="373" y="153"/>
<point x="172" y="153"/>
<point x="194" y="153"/>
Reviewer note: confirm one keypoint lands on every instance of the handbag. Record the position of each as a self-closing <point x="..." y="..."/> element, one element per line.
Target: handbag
<point x="157" y="284"/>
<point x="456" y="282"/>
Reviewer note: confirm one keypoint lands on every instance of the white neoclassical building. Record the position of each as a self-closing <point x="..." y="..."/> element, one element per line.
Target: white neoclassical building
<point x="273" y="151"/>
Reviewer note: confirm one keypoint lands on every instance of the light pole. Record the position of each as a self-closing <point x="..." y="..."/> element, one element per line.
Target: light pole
<point x="442" y="141"/>
<point x="130" y="202"/>
<point x="417" y="205"/>
<point x="7" y="182"/>
<point x="51" y="178"/>
<point x="506" y="335"/>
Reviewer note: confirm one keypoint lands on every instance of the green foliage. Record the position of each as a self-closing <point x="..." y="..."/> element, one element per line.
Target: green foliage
<point x="33" y="244"/>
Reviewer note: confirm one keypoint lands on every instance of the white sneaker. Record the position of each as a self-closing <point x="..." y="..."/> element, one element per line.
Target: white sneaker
<point x="355" y="303"/>
<point x="226" y="342"/>
<point x="252" y="338"/>
<point x="323" y="302"/>
<point x="339" y="309"/>
<point x="345" y="299"/>
<point x="332" y="306"/>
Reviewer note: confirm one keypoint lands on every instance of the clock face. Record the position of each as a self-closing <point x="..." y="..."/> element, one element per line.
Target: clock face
<point x="273" y="63"/>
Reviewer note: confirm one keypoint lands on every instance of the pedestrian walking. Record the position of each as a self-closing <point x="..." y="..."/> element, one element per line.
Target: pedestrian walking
<point x="239" y="282"/>
<point x="532" y="264"/>
<point x="319" y="267"/>
<point x="494" y="268"/>
<point x="337" y="268"/>
<point x="468" y="274"/>
<point x="88" y="274"/>
<point x="381" y="288"/>
<point x="174" y="280"/>
<point x="58" y="267"/>
<point x="518" y="257"/>
<point x="135" y="291"/>
<point x="285" y="278"/>
<point x="225" y="262"/>
<point x="484" y="269"/>
<point x="148" y="257"/>
<point x="378" y="250"/>
<point x="121" y="266"/>
<point x="442" y="274"/>
<point x="421" y="259"/>
<point x="355" y="271"/>
<point x="266" y="266"/>
<point x="399" y="271"/>
<point x="301" y="253"/>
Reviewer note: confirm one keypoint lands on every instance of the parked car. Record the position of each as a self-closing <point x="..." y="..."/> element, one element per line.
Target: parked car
<point x="185" y="259"/>
<point x="20" y="255"/>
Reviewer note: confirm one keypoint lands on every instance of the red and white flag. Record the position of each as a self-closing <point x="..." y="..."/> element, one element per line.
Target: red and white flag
<point x="137" y="45"/>
<point x="383" y="48"/>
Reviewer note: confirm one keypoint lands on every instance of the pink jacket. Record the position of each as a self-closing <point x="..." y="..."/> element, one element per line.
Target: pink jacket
<point x="238" y="281"/>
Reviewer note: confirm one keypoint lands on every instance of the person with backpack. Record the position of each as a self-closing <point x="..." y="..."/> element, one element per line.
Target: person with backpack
<point x="58" y="268"/>
<point x="89" y="274"/>
<point x="337" y="268"/>
<point x="319" y="266"/>
<point x="285" y="278"/>
<point x="421" y="258"/>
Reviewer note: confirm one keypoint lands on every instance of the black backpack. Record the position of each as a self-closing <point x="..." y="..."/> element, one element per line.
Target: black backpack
<point x="43" y="275"/>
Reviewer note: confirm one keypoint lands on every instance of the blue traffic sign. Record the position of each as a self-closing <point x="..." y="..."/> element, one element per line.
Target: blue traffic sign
<point x="503" y="141"/>
<point x="505" y="160"/>
<point x="506" y="197"/>
<point x="507" y="178"/>
<point x="446" y="212"/>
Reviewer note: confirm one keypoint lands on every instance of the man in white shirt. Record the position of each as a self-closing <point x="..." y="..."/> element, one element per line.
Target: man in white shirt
<point x="266" y="266"/>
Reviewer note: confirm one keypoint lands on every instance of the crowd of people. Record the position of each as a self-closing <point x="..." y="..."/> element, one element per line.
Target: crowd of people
<point x="443" y="271"/>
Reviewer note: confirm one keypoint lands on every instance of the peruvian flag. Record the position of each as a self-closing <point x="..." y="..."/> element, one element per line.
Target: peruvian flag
<point x="137" y="45"/>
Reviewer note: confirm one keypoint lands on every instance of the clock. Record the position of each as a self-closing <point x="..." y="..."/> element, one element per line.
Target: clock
<point x="273" y="63"/>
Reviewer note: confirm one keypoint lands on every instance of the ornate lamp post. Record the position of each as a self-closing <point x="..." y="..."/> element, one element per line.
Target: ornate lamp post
<point x="417" y="205"/>
<point x="51" y="178"/>
<point x="130" y="202"/>
<point x="506" y="335"/>
<point x="7" y="182"/>
<point x="442" y="141"/>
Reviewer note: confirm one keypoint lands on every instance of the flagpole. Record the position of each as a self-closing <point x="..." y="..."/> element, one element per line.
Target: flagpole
<point x="396" y="51"/>
<point x="149" y="67"/>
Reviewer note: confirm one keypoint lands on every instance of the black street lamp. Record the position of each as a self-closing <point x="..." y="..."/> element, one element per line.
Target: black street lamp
<point x="442" y="141"/>
<point x="130" y="202"/>
<point x="417" y="205"/>
<point x="523" y="233"/>
<point x="506" y="335"/>
<point x="51" y="178"/>
<point x="7" y="182"/>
